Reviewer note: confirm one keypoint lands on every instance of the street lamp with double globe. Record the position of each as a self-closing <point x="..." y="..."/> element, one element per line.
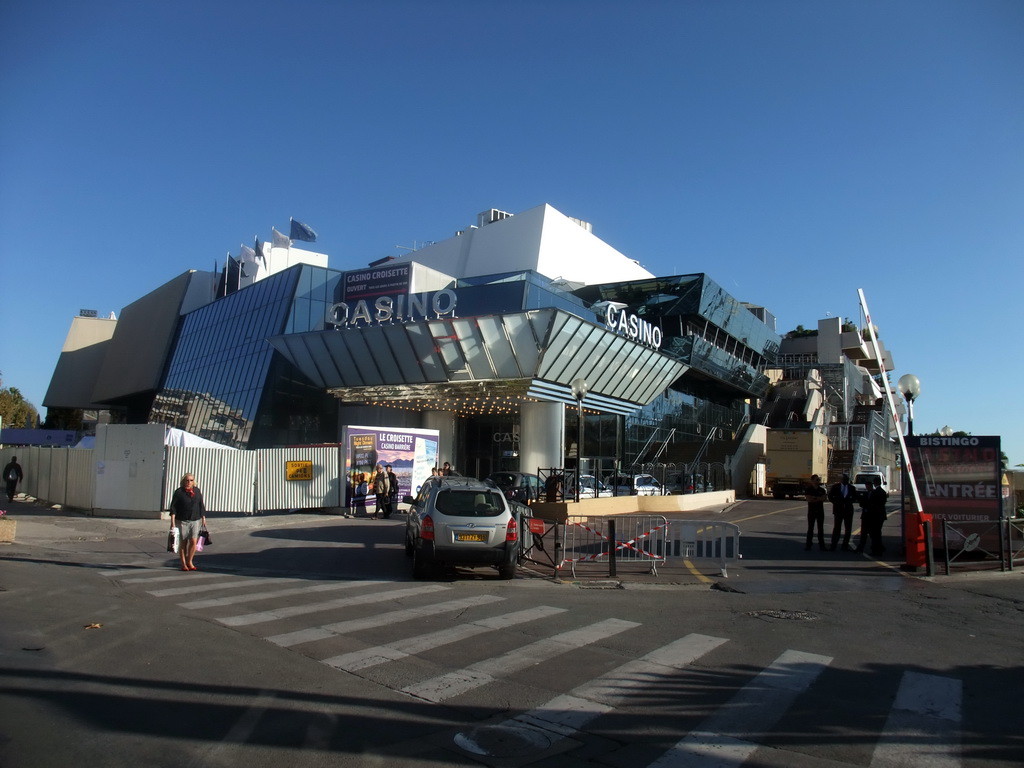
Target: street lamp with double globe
<point x="580" y="387"/>
<point x="910" y="387"/>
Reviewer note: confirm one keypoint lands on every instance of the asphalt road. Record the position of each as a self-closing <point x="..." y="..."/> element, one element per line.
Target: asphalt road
<point x="303" y="641"/>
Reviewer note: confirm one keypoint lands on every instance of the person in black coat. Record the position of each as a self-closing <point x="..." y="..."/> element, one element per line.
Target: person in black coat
<point x="874" y="518"/>
<point x="188" y="513"/>
<point x="12" y="476"/>
<point x="392" y="490"/>
<point x="815" y="496"/>
<point x="842" y="495"/>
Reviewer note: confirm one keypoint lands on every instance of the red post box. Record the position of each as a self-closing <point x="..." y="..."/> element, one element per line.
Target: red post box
<point x="914" y="539"/>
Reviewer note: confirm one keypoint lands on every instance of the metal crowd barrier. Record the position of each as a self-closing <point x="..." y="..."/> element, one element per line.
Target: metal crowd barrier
<point x="626" y="539"/>
<point x="1014" y="541"/>
<point x="647" y="539"/>
<point x="705" y="540"/>
<point x="973" y="540"/>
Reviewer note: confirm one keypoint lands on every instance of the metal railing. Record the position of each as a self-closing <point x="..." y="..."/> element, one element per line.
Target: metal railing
<point x="971" y="541"/>
<point x="604" y="539"/>
<point x="648" y="540"/>
<point x="705" y="540"/>
<point x="1014" y="541"/>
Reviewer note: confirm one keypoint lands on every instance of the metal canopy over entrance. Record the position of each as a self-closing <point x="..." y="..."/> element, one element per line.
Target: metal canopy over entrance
<point x="482" y="364"/>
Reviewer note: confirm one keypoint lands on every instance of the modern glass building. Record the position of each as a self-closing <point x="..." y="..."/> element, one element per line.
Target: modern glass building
<point x="500" y="361"/>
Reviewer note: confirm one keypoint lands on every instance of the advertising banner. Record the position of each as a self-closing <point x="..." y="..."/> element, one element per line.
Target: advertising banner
<point x="958" y="478"/>
<point x="412" y="453"/>
<point x="368" y="284"/>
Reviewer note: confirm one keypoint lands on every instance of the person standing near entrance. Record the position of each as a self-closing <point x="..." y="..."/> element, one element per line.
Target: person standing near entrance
<point x="380" y="491"/>
<point x="873" y="519"/>
<point x="12" y="476"/>
<point x="815" y="497"/>
<point x="188" y="513"/>
<point x="842" y="495"/>
<point x="392" y="490"/>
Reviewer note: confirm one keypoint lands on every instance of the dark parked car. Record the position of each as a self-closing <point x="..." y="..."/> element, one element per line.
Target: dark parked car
<point x="517" y="486"/>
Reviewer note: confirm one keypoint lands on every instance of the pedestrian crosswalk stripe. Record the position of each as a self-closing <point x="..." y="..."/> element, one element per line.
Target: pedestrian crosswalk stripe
<point x="638" y="674"/>
<point x="446" y="686"/>
<point x="194" y="588"/>
<point x="138" y="571"/>
<point x="724" y="739"/>
<point x="289" y="639"/>
<point x="922" y="730"/>
<point x="273" y="594"/>
<point x="177" y="575"/>
<point x="399" y="649"/>
<point x="248" y="619"/>
<point x="564" y="715"/>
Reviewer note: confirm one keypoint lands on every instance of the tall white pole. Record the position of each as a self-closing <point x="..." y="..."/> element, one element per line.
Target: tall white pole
<point x="892" y="405"/>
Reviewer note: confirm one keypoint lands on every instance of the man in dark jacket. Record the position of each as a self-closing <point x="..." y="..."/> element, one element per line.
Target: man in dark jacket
<point x="380" y="491"/>
<point x="842" y="495"/>
<point x="12" y="476"/>
<point x="873" y="519"/>
<point x="392" y="490"/>
<point x="815" y="497"/>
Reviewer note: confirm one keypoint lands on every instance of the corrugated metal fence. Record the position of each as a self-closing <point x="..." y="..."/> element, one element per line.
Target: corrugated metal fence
<point x="233" y="482"/>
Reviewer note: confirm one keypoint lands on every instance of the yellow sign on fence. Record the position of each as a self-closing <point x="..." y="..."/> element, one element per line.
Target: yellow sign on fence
<point x="299" y="470"/>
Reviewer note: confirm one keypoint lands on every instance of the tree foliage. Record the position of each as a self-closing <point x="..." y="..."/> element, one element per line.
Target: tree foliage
<point x="15" y="410"/>
<point x="800" y="332"/>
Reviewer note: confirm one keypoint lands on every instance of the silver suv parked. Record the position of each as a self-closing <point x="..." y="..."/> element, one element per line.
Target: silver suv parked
<point x="462" y="521"/>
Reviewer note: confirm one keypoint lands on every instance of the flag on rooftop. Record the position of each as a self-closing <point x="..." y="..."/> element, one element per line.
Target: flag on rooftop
<point x="277" y="240"/>
<point x="247" y="261"/>
<point x="300" y="231"/>
<point x="261" y="252"/>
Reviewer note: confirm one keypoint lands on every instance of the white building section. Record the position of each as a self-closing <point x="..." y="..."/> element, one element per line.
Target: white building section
<point x="541" y="239"/>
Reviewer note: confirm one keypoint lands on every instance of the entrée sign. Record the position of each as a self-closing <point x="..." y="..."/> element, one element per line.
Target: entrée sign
<point x="385" y="309"/>
<point x="632" y="326"/>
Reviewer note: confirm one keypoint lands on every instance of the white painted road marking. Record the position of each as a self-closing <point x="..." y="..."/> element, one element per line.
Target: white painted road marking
<point x="334" y="586"/>
<point x="722" y="741"/>
<point x="923" y="729"/>
<point x="410" y="646"/>
<point x="300" y="636"/>
<point x="565" y="715"/>
<point x="247" y="619"/>
<point x="454" y="683"/>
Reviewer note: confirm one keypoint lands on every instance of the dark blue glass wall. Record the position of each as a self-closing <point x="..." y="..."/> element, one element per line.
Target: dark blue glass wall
<point x="224" y="381"/>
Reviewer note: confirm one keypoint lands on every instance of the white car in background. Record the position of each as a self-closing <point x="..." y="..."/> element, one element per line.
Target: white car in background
<point x="592" y="488"/>
<point x="633" y="485"/>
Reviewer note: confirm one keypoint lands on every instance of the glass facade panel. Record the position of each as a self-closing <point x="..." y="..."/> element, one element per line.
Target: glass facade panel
<point x="219" y="370"/>
<point x="734" y="346"/>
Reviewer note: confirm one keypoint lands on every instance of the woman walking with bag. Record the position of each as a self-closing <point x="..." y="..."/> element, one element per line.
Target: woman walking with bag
<point x="188" y="513"/>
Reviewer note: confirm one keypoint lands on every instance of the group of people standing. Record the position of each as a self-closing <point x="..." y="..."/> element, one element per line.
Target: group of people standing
<point x="385" y="490"/>
<point x="843" y="496"/>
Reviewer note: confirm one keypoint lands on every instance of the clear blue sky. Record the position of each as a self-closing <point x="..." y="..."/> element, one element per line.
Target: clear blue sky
<point x="794" y="151"/>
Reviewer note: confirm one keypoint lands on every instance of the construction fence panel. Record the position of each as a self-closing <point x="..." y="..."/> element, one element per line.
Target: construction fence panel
<point x="227" y="478"/>
<point x="56" y="486"/>
<point x="307" y="477"/>
<point x="81" y="478"/>
<point x="38" y="484"/>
